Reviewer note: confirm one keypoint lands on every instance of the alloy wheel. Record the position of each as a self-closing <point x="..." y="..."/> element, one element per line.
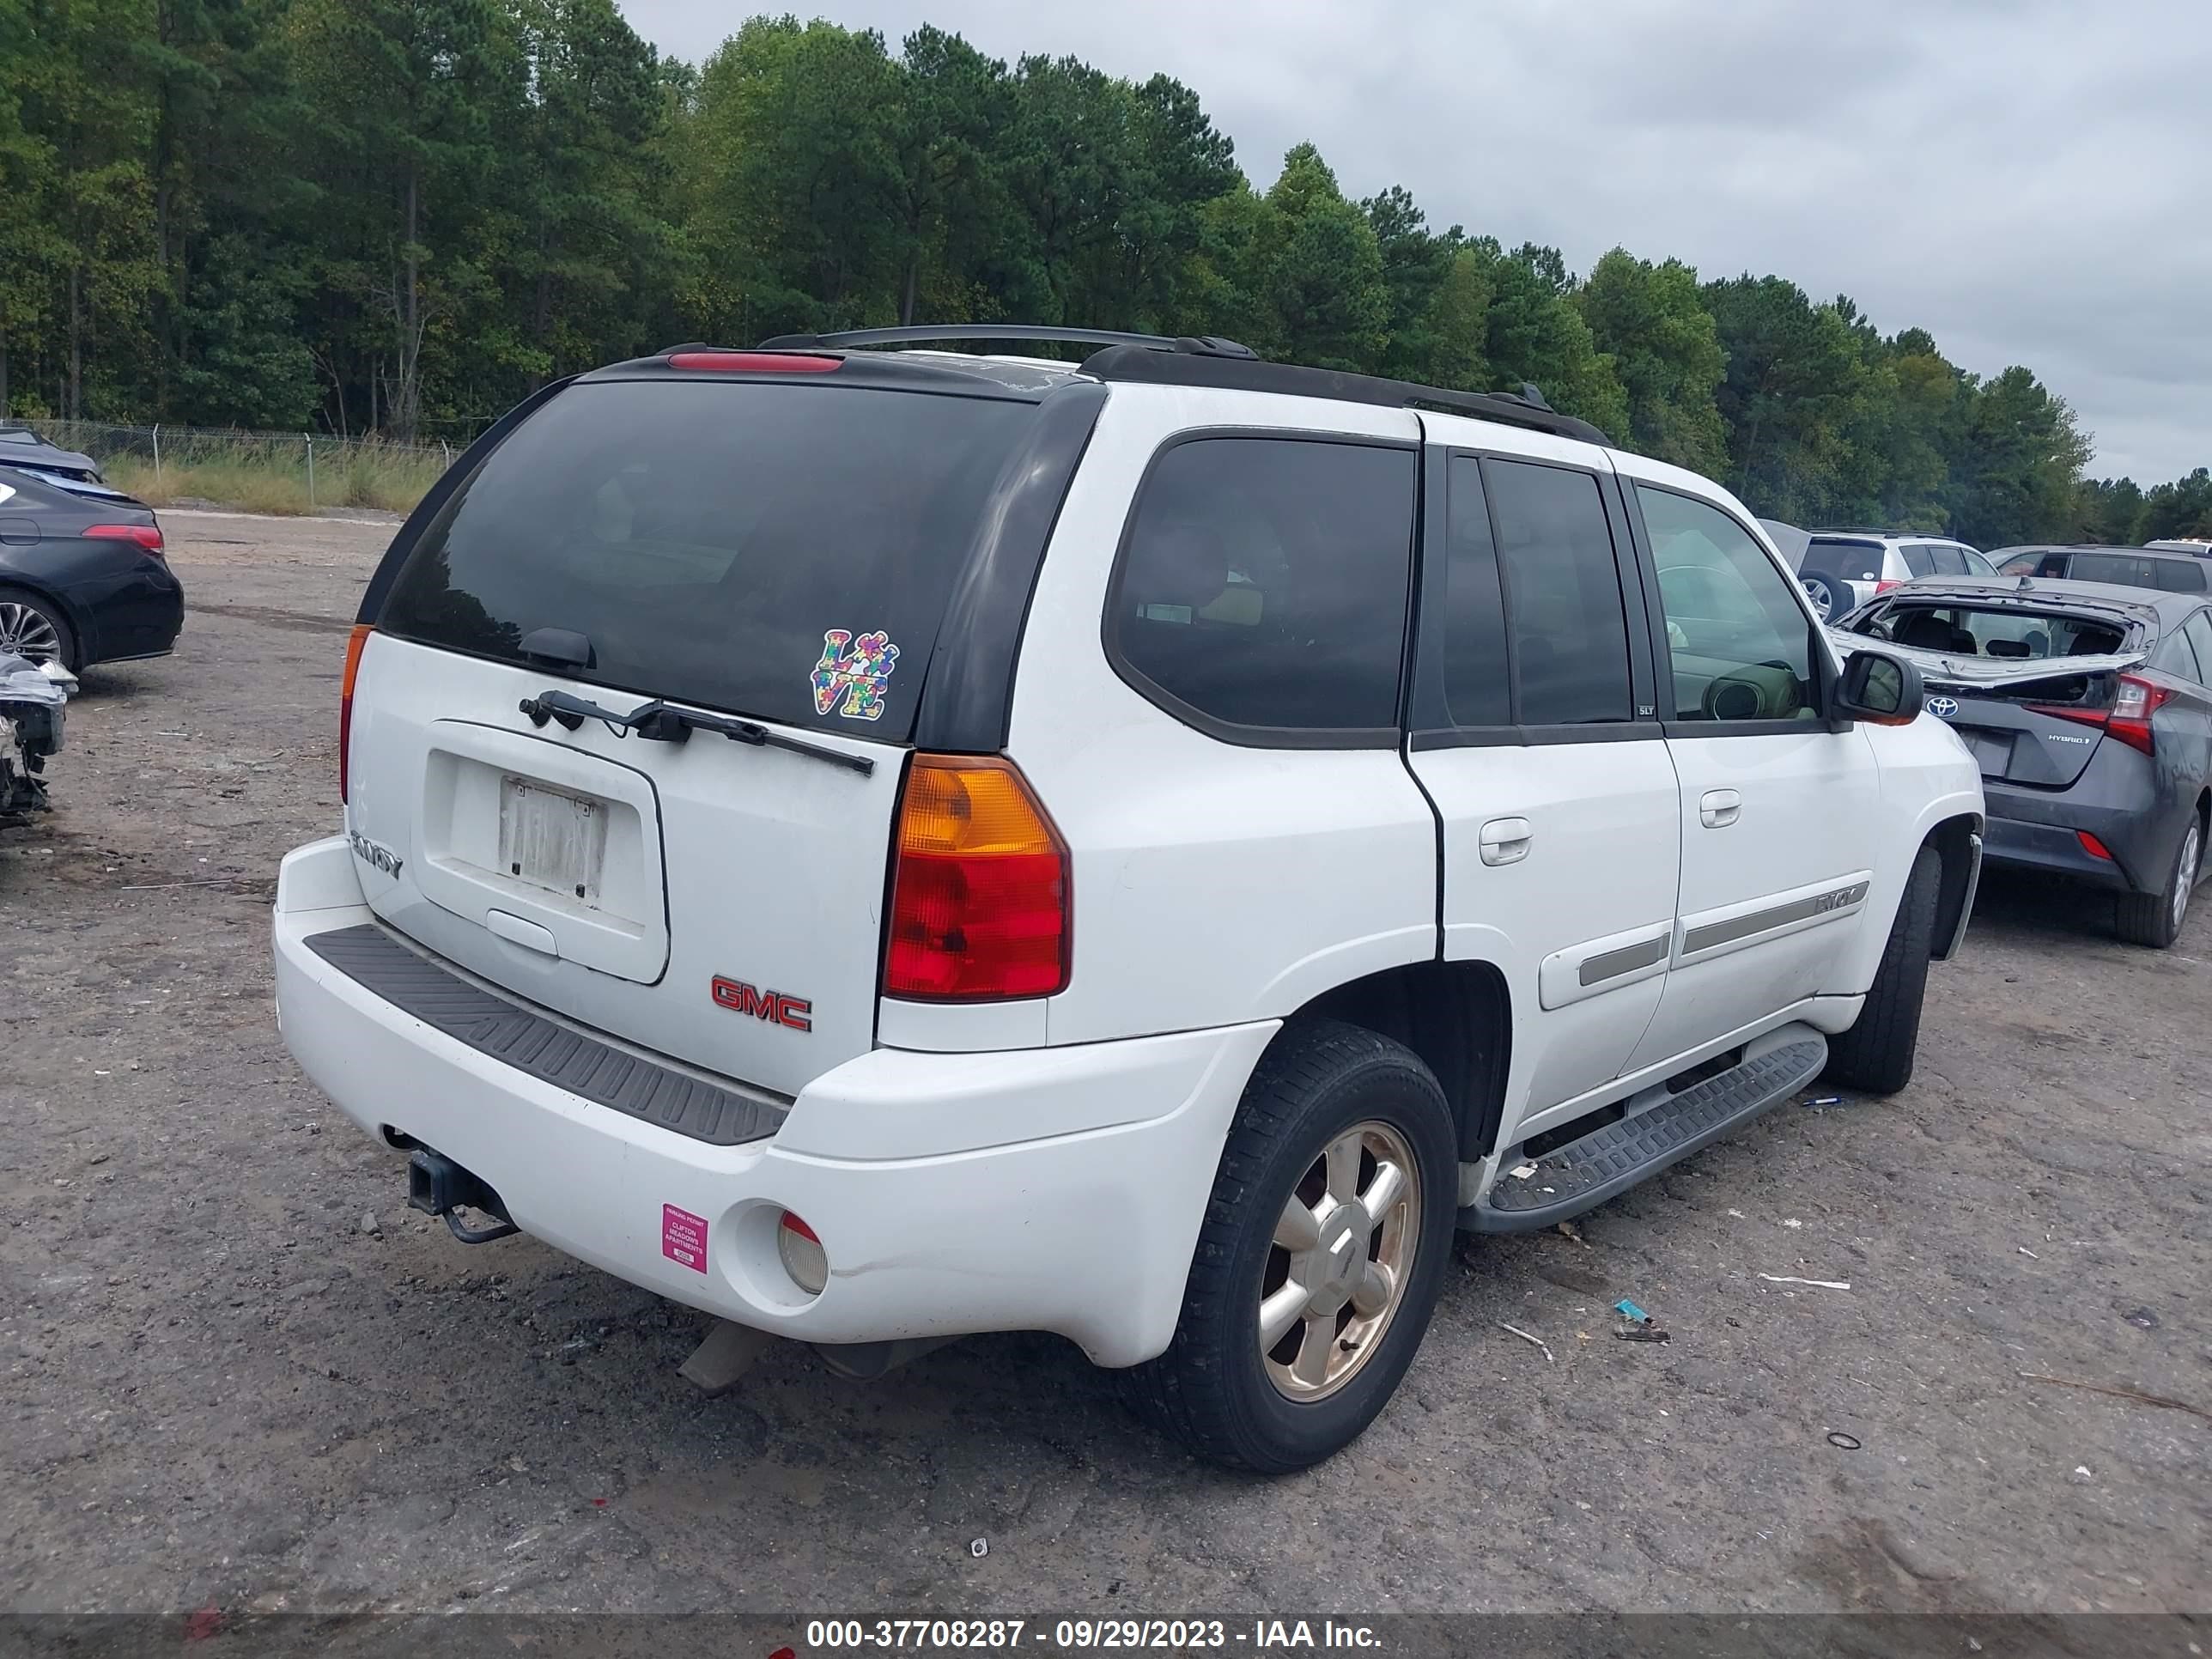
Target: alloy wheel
<point x="27" y="634"/>
<point x="2184" y="878"/>
<point x="1342" y="1259"/>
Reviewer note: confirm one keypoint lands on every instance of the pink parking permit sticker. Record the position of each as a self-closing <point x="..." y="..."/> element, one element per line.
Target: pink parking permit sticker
<point x="684" y="1237"/>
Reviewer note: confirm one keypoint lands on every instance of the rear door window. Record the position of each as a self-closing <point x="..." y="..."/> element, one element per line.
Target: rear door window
<point x="773" y="549"/>
<point x="2119" y="569"/>
<point x="1562" y="604"/>
<point x="1478" y="691"/>
<point x="2180" y="575"/>
<point x="1919" y="559"/>
<point x="1263" y="585"/>
<point x="1950" y="560"/>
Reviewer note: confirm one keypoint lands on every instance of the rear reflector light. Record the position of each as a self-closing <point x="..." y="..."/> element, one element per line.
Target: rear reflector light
<point x="355" y="642"/>
<point x="755" y="362"/>
<point x="2093" y="847"/>
<point x="980" y="890"/>
<point x="147" y="536"/>
<point x="801" y="1253"/>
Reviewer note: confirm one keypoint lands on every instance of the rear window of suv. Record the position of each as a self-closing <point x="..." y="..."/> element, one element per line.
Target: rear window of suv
<point x="739" y="546"/>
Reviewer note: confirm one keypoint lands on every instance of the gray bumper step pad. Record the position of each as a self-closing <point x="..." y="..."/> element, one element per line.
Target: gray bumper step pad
<point x="516" y="1034"/>
<point x="1584" y="1173"/>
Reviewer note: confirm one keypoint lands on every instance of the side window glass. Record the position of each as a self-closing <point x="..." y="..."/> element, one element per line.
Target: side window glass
<point x="1950" y="561"/>
<point x="1563" y="606"/>
<point x="1741" y="646"/>
<point x="2199" y="631"/>
<point x="1477" y="690"/>
<point x="1919" y="559"/>
<point x="1264" y="581"/>
<point x="2181" y="575"/>
<point x="2054" y="564"/>
<point x="1976" y="564"/>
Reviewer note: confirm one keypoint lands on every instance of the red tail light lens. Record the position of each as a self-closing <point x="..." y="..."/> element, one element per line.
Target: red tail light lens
<point x="2138" y="700"/>
<point x="755" y="362"/>
<point x="2093" y="847"/>
<point x="355" y="642"/>
<point x="980" y="896"/>
<point x="1883" y="587"/>
<point x="2128" y="718"/>
<point x="147" y="536"/>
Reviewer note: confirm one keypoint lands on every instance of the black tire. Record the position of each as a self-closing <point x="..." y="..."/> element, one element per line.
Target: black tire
<point x="1211" y="1389"/>
<point x="1875" y="1056"/>
<point x="2155" y="920"/>
<point x="18" y="605"/>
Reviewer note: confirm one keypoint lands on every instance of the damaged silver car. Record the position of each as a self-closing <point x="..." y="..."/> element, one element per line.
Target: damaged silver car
<point x="33" y="698"/>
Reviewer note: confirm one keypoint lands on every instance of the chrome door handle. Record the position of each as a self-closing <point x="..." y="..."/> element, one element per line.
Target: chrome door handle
<point x="1719" y="808"/>
<point x="1505" y="840"/>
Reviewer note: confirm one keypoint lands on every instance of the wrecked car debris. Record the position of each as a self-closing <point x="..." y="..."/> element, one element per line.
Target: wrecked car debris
<point x="33" y="698"/>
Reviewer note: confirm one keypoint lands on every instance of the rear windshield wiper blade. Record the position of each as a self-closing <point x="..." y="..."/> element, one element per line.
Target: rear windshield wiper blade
<point x="660" y="722"/>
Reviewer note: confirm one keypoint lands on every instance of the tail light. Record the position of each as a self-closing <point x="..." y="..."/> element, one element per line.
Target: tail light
<point x="2128" y="718"/>
<point x="147" y="536"/>
<point x="2093" y="847"/>
<point x="980" y="890"/>
<point x="799" y="1247"/>
<point x="355" y="642"/>
<point x="2138" y="700"/>
<point x="1883" y="586"/>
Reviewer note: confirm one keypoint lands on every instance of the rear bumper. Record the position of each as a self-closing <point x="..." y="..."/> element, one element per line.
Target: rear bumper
<point x="1083" y="1226"/>
<point x="2116" y="801"/>
<point x="135" y="609"/>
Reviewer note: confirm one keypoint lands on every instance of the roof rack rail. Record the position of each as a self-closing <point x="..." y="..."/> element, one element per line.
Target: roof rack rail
<point x="921" y="333"/>
<point x="1525" y="408"/>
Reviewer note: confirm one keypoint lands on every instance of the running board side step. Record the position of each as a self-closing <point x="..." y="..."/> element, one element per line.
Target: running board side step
<point x="1583" y="1173"/>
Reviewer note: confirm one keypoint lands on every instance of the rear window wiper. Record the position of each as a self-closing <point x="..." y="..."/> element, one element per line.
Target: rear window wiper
<point x="660" y="722"/>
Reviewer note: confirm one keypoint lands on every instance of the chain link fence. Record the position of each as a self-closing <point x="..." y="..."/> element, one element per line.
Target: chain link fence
<point x="268" y="471"/>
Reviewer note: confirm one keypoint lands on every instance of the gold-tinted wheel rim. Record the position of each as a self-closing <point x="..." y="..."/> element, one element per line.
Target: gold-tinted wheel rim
<point x="1341" y="1257"/>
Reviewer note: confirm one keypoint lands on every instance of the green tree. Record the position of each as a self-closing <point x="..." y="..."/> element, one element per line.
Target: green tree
<point x="1794" y="381"/>
<point x="1652" y="322"/>
<point x="1535" y="333"/>
<point x="2181" y="509"/>
<point x="1325" y="283"/>
<point x="2015" y="475"/>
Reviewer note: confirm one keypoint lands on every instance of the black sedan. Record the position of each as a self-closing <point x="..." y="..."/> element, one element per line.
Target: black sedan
<point x="2088" y="707"/>
<point x="82" y="576"/>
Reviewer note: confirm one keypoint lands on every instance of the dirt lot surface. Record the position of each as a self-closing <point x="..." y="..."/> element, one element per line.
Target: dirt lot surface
<point x="225" y="1388"/>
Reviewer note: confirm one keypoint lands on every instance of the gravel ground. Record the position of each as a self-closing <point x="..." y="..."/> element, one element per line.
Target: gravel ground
<point x="227" y="1387"/>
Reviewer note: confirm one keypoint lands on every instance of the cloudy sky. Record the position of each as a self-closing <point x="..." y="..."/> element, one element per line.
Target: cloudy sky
<point x="2030" y="180"/>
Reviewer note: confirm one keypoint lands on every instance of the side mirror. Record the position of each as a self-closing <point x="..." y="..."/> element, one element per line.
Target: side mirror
<point x="1878" y="687"/>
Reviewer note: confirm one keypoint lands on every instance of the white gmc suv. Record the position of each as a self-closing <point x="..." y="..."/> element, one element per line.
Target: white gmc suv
<point x="882" y="844"/>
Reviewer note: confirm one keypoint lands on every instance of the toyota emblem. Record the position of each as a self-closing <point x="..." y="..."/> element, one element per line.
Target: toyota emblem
<point x="1942" y="707"/>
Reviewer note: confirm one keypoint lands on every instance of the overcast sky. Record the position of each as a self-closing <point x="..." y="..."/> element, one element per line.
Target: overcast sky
<point x="2030" y="180"/>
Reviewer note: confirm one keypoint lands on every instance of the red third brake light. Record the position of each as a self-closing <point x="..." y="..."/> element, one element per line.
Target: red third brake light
<point x="355" y="642"/>
<point x="147" y="536"/>
<point x="979" y="895"/>
<point x="755" y="362"/>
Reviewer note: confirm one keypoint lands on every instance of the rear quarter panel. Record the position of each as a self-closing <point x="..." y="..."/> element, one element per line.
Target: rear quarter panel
<point x="1214" y="883"/>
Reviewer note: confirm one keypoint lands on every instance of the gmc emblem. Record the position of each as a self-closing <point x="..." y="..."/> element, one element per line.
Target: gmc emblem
<point x="774" y="1006"/>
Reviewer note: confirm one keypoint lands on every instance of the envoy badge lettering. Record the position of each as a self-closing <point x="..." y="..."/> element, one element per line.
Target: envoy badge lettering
<point x="371" y="853"/>
<point x="795" y="1013"/>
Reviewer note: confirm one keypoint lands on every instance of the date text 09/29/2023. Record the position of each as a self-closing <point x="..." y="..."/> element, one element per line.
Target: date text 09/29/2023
<point x="1259" y="1635"/>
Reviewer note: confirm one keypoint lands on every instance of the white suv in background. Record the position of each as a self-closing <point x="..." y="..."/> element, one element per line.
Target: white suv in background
<point x="879" y="845"/>
<point x="1842" y="569"/>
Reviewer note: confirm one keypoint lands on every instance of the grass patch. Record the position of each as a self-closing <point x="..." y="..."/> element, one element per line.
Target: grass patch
<point x="253" y="481"/>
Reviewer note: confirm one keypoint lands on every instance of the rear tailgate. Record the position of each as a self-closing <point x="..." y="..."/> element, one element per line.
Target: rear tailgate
<point x="775" y="558"/>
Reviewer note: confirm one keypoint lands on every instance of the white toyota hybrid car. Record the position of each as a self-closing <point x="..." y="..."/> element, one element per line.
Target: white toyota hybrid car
<point x="879" y="844"/>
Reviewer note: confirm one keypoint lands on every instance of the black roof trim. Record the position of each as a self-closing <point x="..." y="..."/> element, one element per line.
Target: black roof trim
<point x="883" y="370"/>
<point x="1042" y="333"/>
<point x="1155" y="367"/>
